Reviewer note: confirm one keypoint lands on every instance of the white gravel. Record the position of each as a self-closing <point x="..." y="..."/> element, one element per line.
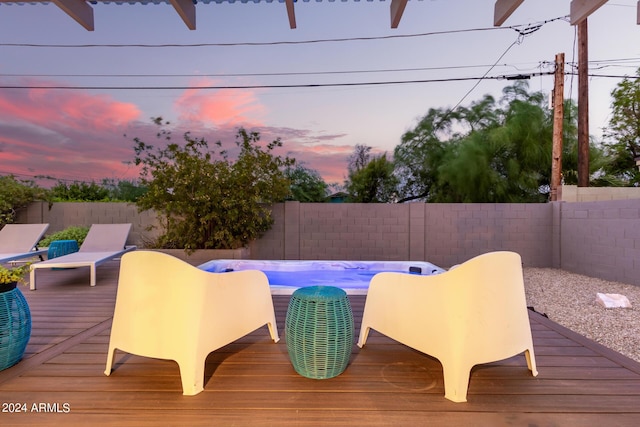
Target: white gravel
<point x="569" y="299"/>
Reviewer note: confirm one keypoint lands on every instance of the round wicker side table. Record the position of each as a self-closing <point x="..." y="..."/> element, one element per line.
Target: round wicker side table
<point x="319" y="331"/>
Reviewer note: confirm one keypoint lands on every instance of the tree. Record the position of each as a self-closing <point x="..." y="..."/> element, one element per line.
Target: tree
<point x="204" y="199"/>
<point x="79" y="192"/>
<point x="306" y="185"/>
<point x="123" y="190"/>
<point x="623" y="132"/>
<point x="371" y="180"/>
<point x="492" y="152"/>
<point x="15" y="195"/>
<point x="420" y="153"/>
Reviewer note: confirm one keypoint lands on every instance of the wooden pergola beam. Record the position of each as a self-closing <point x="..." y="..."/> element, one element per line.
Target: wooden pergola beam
<point x="581" y="9"/>
<point x="397" y="9"/>
<point x="291" y="13"/>
<point x="503" y="10"/>
<point x="79" y="10"/>
<point x="187" y="11"/>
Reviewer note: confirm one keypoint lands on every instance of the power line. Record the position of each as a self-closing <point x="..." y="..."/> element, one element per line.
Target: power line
<point x="308" y="85"/>
<point x="518" y="66"/>
<point x="520" y="29"/>
<point x="311" y="85"/>
<point x="288" y="73"/>
<point x="272" y="43"/>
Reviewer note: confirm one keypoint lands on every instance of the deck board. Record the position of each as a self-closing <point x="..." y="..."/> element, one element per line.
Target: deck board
<point x="252" y="382"/>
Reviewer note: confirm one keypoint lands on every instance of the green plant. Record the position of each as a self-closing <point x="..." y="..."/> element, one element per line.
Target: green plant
<point x="204" y="199"/>
<point x="70" y="233"/>
<point x="13" y="274"/>
<point x="16" y="194"/>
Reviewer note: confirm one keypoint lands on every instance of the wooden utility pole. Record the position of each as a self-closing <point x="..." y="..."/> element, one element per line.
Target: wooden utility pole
<point x="558" y="119"/>
<point x="583" y="105"/>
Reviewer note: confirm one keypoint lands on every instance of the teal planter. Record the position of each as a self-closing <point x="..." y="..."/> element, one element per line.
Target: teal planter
<point x="15" y="325"/>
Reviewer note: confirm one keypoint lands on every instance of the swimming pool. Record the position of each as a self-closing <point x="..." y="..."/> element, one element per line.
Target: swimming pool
<point x="353" y="276"/>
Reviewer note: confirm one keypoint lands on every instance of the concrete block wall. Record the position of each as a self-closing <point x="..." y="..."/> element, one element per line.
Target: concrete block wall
<point x="444" y="234"/>
<point x="602" y="239"/>
<point x="455" y="233"/>
<point x="62" y="215"/>
<point x="354" y="231"/>
<point x="598" y="239"/>
<point x="573" y="193"/>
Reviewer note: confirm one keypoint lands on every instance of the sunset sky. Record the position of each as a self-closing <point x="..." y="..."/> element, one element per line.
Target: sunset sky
<point x="75" y="130"/>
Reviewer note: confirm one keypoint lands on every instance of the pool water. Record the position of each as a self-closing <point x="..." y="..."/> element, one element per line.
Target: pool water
<point x="353" y="276"/>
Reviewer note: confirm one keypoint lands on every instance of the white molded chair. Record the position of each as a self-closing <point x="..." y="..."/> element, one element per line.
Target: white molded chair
<point x="169" y="309"/>
<point x="472" y="314"/>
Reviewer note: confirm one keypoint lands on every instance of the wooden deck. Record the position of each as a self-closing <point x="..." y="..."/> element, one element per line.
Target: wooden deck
<point x="251" y="382"/>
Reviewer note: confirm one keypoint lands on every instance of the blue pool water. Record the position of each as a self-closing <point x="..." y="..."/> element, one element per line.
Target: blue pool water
<point x="350" y="275"/>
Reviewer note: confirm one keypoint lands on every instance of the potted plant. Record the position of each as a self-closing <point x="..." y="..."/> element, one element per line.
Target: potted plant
<point x="15" y="317"/>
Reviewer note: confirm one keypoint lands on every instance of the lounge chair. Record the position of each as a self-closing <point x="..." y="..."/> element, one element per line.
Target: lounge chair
<point x="169" y="309"/>
<point x="104" y="242"/>
<point x="19" y="241"/>
<point x="472" y="314"/>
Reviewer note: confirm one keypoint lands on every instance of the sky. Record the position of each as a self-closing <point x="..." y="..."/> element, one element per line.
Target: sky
<point x="84" y="131"/>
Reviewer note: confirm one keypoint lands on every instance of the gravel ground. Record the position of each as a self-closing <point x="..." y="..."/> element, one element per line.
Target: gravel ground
<point x="570" y="300"/>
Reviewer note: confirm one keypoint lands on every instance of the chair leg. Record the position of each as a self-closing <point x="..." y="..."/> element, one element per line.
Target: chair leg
<point x="273" y="331"/>
<point x="456" y="383"/>
<point x="192" y="376"/>
<point x="110" y="355"/>
<point x="93" y="275"/>
<point x="364" y="333"/>
<point x="32" y="279"/>
<point x="531" y="362"/>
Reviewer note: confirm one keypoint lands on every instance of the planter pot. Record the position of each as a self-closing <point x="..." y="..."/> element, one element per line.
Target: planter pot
<point x="203" y="255"/>
<point x="15" y="325"/>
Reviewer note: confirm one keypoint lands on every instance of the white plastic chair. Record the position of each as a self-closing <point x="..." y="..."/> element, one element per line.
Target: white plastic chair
<point x="473" y="314"/>
<point x="169" y="309"/>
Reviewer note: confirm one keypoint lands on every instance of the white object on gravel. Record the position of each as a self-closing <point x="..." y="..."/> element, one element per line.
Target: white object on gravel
<point x="612" y="300"/>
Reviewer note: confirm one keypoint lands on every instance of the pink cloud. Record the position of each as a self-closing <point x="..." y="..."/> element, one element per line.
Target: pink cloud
<point x="64" y="133"/>
<point x="219" y="107"/>
<point x="76" y="135"/>
<point x="65" y="108"/>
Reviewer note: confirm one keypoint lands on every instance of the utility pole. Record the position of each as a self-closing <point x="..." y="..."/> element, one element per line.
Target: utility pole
<point x="558" y="119"/>
<point x="583" y="104"/>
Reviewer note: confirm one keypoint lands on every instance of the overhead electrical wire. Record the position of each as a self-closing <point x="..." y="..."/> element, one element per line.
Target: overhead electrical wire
<point x="275" y="86"/>
<point x="521" y="29"/>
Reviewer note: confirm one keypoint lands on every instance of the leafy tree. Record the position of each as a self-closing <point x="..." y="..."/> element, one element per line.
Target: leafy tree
<point x="371" y="180"/>
<point x="123" y="190"/>
<point x="204" y="199"/>
<point x="359" y="158"/>
<point x="623" y="132"/>
<point x="15" y="195"/>
<point x="79" y="192"/>
<point x="421" y="152"/>
<point x="491" y="152"/>
<point x="306" y="184"/>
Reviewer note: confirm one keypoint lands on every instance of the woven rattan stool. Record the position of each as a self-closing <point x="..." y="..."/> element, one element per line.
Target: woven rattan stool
<point x="61" y="247"/>
<point x="15" y="325"/>
<point x="319" y="331"/>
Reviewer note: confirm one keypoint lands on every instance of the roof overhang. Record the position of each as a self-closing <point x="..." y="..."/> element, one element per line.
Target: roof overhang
<point x="82" y="12"/>
<point x="579" y="11"/>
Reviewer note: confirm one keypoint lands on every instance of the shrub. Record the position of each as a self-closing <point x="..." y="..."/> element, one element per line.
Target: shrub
<point x="15" y="195"/>
<point x="205" y="200"/>
<point x="70" y="233"/>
